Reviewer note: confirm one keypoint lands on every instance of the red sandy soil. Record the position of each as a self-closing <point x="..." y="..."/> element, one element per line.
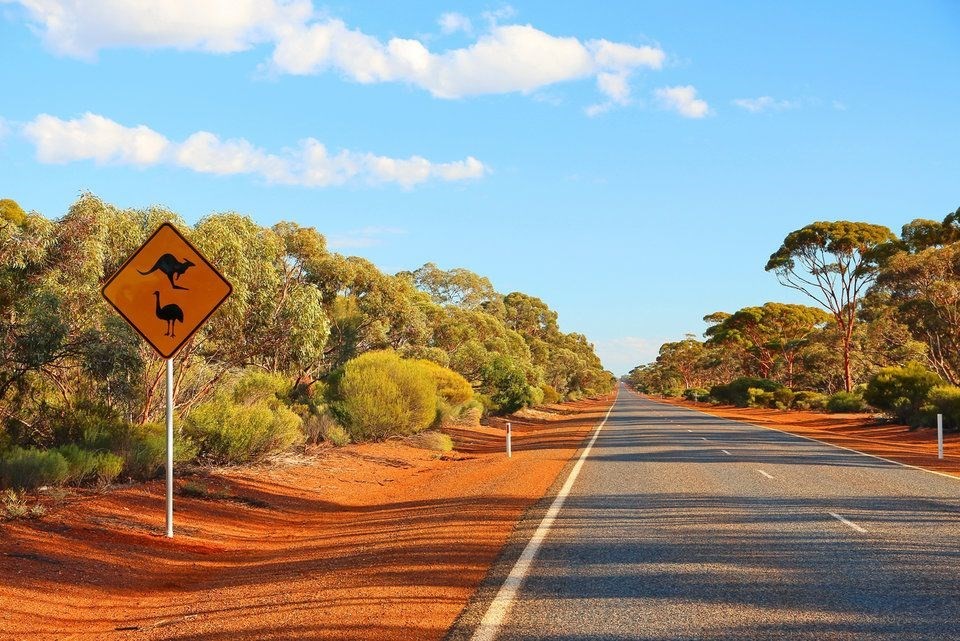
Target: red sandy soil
<point x="374" y="541"/>
<point x="861" y="432"/>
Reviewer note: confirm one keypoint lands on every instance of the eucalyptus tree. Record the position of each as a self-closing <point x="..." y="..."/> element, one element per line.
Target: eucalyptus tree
<point x="834" y="263"/>
<point x="773" y="334"/>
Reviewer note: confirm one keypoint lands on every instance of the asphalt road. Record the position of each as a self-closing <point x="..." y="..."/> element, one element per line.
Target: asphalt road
<point x="682" y="525"/>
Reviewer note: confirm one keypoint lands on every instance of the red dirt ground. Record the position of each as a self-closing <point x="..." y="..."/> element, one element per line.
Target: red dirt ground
<point x="860" y="432"/>
<point x="375" y="541"/>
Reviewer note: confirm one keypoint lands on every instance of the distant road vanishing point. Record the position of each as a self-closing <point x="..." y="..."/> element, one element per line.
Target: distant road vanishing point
<point x="686" y="526"/>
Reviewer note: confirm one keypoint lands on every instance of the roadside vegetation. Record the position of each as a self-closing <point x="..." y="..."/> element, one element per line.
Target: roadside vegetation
<point x="311" y="347"/>
<point x="882" y="334"/>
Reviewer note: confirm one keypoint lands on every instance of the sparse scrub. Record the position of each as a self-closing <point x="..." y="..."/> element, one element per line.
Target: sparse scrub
<point x="902" y="391"/>
<point x="550" y="394"/>
<point x="945" y="399"/>
<point x="435" y="441"/>
<point x="382" y="395"/>
<point x="808" y="400"/>
<point x="146" y="451"/>
<point x="737" y="392"/>
<point x="86" y="466"/>
<point x="696" y="394"/>
<point x="13" y="506"/>
<point x="228" y="433"/>
<point x="29" y="468"/>
<point x="846" y="402"/>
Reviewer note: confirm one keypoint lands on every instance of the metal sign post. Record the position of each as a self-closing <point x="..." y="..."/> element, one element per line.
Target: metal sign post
<point x="170" y="448"/>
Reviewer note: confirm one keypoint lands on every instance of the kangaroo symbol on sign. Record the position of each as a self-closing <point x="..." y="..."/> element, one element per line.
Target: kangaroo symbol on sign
<point x="170" y="266"/>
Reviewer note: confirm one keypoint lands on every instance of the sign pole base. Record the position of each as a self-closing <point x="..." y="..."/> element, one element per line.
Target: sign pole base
<point x="170" y="448"/>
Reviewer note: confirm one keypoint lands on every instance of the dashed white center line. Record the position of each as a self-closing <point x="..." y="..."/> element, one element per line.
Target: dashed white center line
<point x="726" y="452"/>
<point x="691" y="431"/>
<point x="765" y="474"/>
<point x="847" y="523"/>
<point x="704" y="438"/>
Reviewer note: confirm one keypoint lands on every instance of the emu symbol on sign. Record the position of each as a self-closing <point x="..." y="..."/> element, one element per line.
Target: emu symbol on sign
<point x="170" y="313"/>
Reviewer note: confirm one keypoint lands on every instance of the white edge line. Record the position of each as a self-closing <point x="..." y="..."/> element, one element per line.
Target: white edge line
<point x="847" y="523"/>
<point x="726" y="452"/>
<point x="765" y="474"/>
<point x="503" y="601"/>
<point x="816" y="440"/>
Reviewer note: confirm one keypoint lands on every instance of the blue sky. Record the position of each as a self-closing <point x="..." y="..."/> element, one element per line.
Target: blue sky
<point x="633" y="166"/>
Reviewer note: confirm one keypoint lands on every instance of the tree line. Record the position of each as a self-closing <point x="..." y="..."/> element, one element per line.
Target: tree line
<point x="281" y="361"/>
<point x="883" y="329"/>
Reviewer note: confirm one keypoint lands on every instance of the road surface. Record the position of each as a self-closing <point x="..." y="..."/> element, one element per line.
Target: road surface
<point x="682" y="525"/>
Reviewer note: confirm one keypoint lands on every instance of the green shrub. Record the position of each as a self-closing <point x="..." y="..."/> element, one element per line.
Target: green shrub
<point x="783" y="398"/>
<point x="550" y="394"/>
<point x="257" y="386"/>
<point x="146" y="452"/>
<point x="86" y="465"/>
<point x="382" y="395"/>
<point x="807" y="400"/>
<point x="435" y="441"/>
<point x="901" y="391"/>
<point x="843" y="402"/>
<point x="945" y="399"/>
<point x="757" y="397"/>
<point x="669" y="392"/>
<point x="336" y="435"/>
<point x="29" y="468"/>
<point x="696" y="394"/>
<point x="737" y="391"/>
<point x="451" y="387"/>
<point x="229" y="433"/>
<point x="507" y="383"/>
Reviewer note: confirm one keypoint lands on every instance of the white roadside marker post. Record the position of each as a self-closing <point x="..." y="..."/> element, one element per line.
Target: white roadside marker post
<point x="170" y="448"/>
<point x="939" y="436"/>
<point x="509" y="438"/>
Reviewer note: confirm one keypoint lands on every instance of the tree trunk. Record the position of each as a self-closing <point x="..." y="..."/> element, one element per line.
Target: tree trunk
<point x="847" y="374"/>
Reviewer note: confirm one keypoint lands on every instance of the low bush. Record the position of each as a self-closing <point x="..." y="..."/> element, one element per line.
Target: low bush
<point x="146" y="452"/>
<point x="757" y="397"/>
<point x="29" y="468"/>
<point x="381" y="395"/>
<point x="737" y="391"/>
<point x="228" y="433"/>
<point x="86" y="466"/>
<point x="901" y="391"/>
<point x="843" y="402"/>
<point x="336" y="435"/>
<point x="257" y="386"/>
<point x="808" y="400"/>
<point x="550" y="394"/>
<point x="783" y="398"/>
<point x="435" y="441"/>
<point x="945" y="399"/>
<point x="697" y="394"/>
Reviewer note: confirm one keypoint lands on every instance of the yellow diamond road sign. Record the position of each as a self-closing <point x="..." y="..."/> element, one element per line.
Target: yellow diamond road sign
<point x="167" y="290"/>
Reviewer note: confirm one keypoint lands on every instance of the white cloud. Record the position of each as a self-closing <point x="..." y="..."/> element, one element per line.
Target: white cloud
<point x="683" y="100"/>
<point x="505" y="58"/>
<point x="764" y="103"/>
<point x="94" y="137"/>
<point x="82" y="27"/>
<point x="453" y="22"/>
